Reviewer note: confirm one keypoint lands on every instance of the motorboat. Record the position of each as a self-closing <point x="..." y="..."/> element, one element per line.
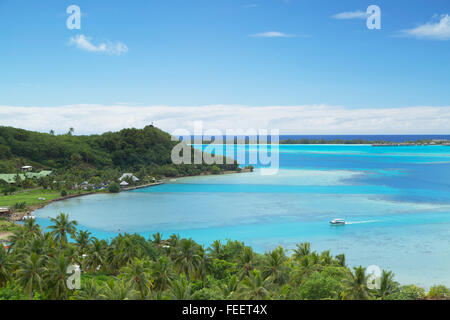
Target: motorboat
<point x="337" y="222"/>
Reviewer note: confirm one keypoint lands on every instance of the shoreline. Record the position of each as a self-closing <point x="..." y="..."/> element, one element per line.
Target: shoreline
<point x="31" y="209"/>
<point x="15" y="217"/>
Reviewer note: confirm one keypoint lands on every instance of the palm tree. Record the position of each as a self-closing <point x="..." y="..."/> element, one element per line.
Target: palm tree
<point x="19" y="238"/>
<point x="254" y="287"/>
<point x="230" y="287"/>
<point x="326" y="258"/>
<point x="162" y="273"/>
<point x="340" y="258"/>
<point x="303" y="249"/>
<point x="89" y="291"/>
<point x="387" y="284"/>
<point x="50" y="244"/>
<point x="117" y="290"/>
<point x="137" y="275"/>
<point x="306" y="266"/>
<point x="205" y="264"/>
<point x="181" y="289"/>
<point x="157" y="238"/>
<point x="32" y="227"/>
<point x="63" y="227"/>
<point x="36" y="245"/>
<point x="246" y="262"/>
<point x="173" y="241"/>
<point x="31" y="273"/>
<point x="216" y="250"/>
<point x="95" y="257"/>
<point x="122" y="251"/>
<point x="57" y="276"/>
<point x="188" y="257"/>
<point x="314" y="259"/>
<point x="274" y="265"/>
<point x="356" y="286"/>
<point x="5" y="267"/>
<point x="83" y="243"/>
<point x="83" y="240"/>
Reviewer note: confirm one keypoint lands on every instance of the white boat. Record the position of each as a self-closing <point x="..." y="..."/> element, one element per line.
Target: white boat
<point x="337" y="222"/>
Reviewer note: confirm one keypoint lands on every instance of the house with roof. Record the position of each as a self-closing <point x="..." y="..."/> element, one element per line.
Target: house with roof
<point x="5" y="211"/>
<point x="129" y="176"/>
<point x="124" y="184"/>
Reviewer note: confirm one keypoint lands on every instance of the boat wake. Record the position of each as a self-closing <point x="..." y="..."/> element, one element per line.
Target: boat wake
<point x="358" y="222"/>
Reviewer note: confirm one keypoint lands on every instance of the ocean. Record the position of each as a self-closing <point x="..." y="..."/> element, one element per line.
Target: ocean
<point x="396" y="201"/>
<point x="387" y="138"/>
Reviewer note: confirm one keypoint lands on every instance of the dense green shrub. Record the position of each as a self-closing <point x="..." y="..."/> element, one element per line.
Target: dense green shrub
<point x="114" y="187"/>
<point x="19" y="205"/>
<point x="215" y="170"/>
<point x="438" y="292"/>
<point x="408" y="292"/>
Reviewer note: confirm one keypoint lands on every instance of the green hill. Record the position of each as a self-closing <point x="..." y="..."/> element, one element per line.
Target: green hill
<point x="130" y="150"/>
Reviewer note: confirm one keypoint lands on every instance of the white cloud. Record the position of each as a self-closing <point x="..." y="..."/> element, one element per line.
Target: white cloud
<point x="351" y="15"/>
<point x="272" y="34"/>
<point x="437" y="30"/>
<point x="305" y="119"/>
<point x="84" y="43"/>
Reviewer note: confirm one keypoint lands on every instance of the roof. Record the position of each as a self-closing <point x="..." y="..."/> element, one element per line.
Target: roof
<point x="129" y="175"/>
<point x="11" y="177"/>
<point x="27" y="167"/>
<point x="124" y="183"/>
<point x="45" y="173"/>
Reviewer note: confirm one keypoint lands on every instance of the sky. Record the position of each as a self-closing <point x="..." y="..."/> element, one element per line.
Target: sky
<point x="306" y="67"/>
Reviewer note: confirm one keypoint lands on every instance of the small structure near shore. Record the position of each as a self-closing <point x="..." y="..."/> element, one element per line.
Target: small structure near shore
<point x="5" y="211"/>
<point x="129" y="176"/>
<point x="124" y="184"/>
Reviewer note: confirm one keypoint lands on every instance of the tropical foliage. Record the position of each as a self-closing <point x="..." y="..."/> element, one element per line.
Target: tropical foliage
<point x="143" y="151"/>
<point x="36" y="263"/>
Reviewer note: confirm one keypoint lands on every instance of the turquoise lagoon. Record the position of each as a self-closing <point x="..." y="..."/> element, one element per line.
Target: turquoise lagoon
<point x="396" y="201"/>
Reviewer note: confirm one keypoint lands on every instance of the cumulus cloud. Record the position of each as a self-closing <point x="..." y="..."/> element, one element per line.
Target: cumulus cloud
<point x="272" y="34"/>
<point x="351" y="15"/>
<point x="84" y="43"/>
<point x="435" y="30"/>
<point x="305" y="119"/>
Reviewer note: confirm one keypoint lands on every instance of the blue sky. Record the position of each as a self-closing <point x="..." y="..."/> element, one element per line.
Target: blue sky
<point x="214" y="52"/>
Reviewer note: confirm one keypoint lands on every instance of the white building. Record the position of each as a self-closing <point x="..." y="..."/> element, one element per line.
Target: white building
<point x="129" y="175"/>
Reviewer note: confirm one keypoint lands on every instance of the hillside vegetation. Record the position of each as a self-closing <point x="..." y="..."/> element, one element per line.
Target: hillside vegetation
<point x="127" y="150"/>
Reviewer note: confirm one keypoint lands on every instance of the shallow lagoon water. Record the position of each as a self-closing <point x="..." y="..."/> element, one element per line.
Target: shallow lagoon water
<point x="396" y="200"/>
